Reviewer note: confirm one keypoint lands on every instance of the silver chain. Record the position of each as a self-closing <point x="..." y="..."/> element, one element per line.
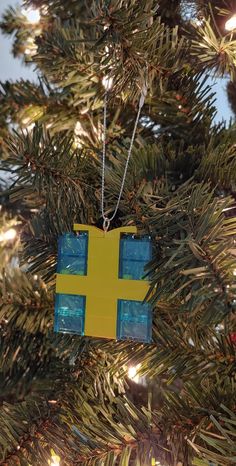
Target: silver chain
<point x="107" y="220"/>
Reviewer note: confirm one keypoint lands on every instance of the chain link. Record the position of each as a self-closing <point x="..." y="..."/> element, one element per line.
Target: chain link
<point x="107" y="220"/>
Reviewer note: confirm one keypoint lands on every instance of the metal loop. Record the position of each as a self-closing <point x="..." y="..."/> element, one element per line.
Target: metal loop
<point x="106" y="224"/>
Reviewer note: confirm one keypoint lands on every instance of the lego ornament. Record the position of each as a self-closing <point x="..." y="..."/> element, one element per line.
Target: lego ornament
<point x="101" y="282"/>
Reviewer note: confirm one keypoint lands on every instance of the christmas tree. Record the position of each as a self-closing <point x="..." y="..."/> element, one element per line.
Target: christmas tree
<point x="76" y="400"/>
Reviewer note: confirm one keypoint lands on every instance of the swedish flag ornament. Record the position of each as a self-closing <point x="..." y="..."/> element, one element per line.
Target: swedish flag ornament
<point x="101" y="284"/>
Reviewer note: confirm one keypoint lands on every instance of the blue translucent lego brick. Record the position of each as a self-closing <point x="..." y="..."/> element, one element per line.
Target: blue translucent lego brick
<point x="134" y="321"/>
<point x="136" y="248"/>
<point x="73" y="245"/>
<point x="135" y="253"/>
<point x="72" y="254"/>
<point x="72" y="265"/>
<point x="69" y="313"/>
<point x="132" y="270"/>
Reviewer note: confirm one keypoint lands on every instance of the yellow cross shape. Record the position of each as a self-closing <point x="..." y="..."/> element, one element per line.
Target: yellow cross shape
<point x="102" y="285"/>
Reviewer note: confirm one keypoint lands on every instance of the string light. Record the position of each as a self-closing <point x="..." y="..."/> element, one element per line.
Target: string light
<point x="230" y="25"/>
<point x="155" y="462"/>
<point x="79" y="131"/>
<point x="199" y="22"/>
<point x="55" y="460"/>
<point x="107" y="83"/>
<point x="133" y="373"/>
<point x="32" y="15"/>
<point x="8" y="235"/>
<point x="31" y="47"/>
<point x="29" y="127"/>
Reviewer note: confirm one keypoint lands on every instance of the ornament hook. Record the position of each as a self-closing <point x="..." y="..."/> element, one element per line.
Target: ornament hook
<point x="106" y="224"/>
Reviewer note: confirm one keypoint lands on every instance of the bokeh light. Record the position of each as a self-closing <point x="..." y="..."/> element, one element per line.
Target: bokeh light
<point x="8" y="235"/>
<point x="107" y="83"/>
<point x="32" y="15"/>
<point x="133" y="373"/>
<point x="55" y="460"/>
<point x="230" y="25"/>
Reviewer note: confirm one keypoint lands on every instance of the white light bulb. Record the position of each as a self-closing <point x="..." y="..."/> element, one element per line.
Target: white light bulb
<point x="78" y="132"/>
<point x="78" y="128"/>
<point x="8" y="235"/>
<point x="31" y="47"/>
<point x="55" y="461"/>
<point x="32" y="15"/>
<point x="107" y="83"/>
<point x="198" y="22"/>
<point x="28" y="126"/>
<point x="132" y="373"/>
<point x="27" y="52"/>
<point x="234" y="272"/>
<point x="155" y="462"/>
<point x="230" y="25"/>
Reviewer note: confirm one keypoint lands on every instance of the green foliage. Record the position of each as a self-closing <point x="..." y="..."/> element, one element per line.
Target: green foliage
<point x="218" y="163"/>
<point x="69" y="393"/>
<point x="214" y="53"/>
<point x="50" y="164"/>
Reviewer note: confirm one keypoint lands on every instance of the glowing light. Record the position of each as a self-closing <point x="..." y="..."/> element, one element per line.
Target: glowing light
<point x="28" y="123"/>
<point x="198" y="22"/>
<point x="230" y="25"/>
<point x="78" y="143"/>
<point x="78" y="131"/>
<point x="55" y="460"/>
<point x="107" y="83"/>
<point x="155" y="462"/>
<point x="30" y="127"/>
<point x="133" y="373"/>
<point x="78" y="128"/>
<point x="31" y="47"/>
<point x="8" y="235"/>
<point x="32" y="15"/>
<point x="234" y="272"/>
